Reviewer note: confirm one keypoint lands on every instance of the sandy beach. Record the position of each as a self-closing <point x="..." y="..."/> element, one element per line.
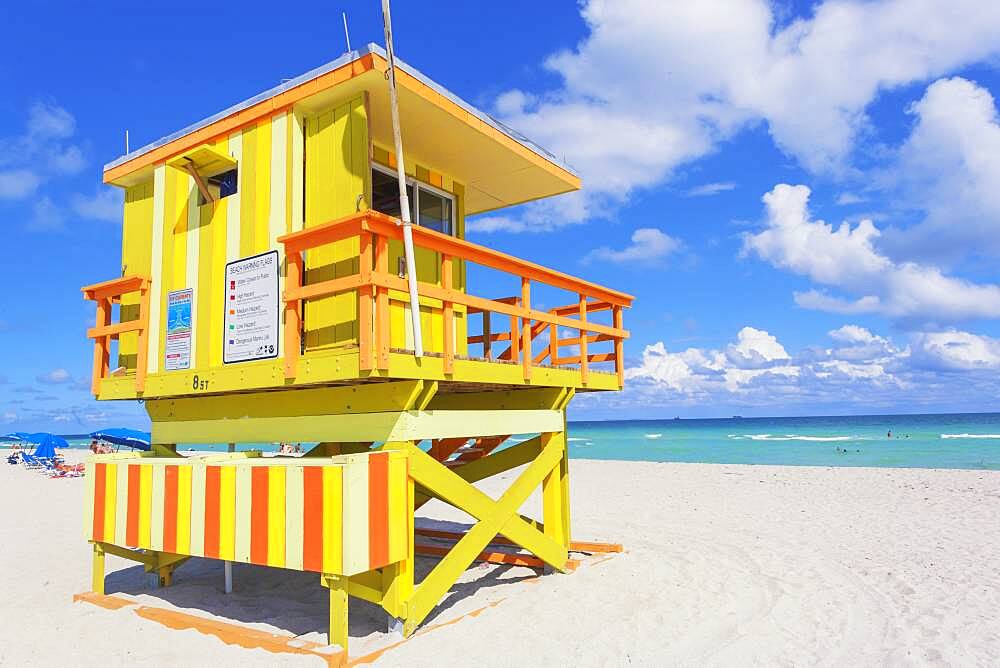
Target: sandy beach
<point x="723" y="564"/>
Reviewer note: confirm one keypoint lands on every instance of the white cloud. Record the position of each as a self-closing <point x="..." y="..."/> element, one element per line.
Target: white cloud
<point x="47" y="216"/>
<point x="18" y="183"/>
<point x="949" y="167"/>
<point x="655" y="85"/>
<point x="859" y="371"/>
<point x="106" y="204"/>
<point x="55" y="377"/>
<point x="648" y="244"/>
<point x="710" y="189"/>
<point x="48" y="121"/>
<point x="846" y="258"/>
<point x="10" y="416"/>
<point x="957" y="351"/>
<point x="847" y="199"/>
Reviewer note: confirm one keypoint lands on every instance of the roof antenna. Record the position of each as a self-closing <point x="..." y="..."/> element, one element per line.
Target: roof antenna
<point x="347" y="35"/>
<point x="126" y="141"/>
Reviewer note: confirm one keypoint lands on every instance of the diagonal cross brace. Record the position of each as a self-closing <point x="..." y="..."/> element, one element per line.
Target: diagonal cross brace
<point x="494" y="517"/>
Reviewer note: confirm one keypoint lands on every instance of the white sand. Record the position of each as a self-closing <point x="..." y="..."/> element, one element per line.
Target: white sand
<point x="724" y="565"/>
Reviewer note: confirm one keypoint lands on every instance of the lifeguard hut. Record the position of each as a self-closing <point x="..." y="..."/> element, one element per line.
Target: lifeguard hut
<point x="263" y="296"/>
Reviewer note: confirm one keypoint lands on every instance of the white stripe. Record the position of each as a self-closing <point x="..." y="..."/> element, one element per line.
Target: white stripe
<point x="194" y="217"/>
<point x="293" y="517"/>
<point x="298" y="139"/>
<point x="355" y="504"/>
<point x="156" y="289"/>
<point x="233" y="201"/>
<point x="276" y="219"/>
<point x="156" y="507"/>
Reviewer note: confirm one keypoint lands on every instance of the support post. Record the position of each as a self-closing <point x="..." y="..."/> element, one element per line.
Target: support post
<point x="487" y="337"/>
<point x="584" y="360"/>
<point x="554" y="504"/>
<point x="101" y="348"/>
<point x="382" y="304"/>
<point x="398" y="578"/>
<point x="293" y="326"/>
<point x="337" y="585"/>
<point x="365" y="311"/>
<point x="97" y="575"/>
<point x="229" y="577"/>
<point x="526" y="328"/>
<point x="618" y="322"/>
<point x="448" y="316"/>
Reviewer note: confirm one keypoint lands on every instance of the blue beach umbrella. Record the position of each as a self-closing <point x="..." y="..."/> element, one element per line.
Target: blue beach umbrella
<point x="47" y="444"/>
<point x="132" y="438"/>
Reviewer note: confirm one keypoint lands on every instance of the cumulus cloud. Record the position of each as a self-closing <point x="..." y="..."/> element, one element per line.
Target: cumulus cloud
<point x="846" y="258"/>
<point x="655" y="85"/>
<point x="949" y="167"/>
<point x="648" y="244"/>
<point x="105" y="204"/>
<point x="18" y="183"/>
<point x="856" y="369"/>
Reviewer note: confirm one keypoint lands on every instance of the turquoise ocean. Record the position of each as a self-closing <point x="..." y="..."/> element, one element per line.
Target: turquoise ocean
<point x="959" y="441"/>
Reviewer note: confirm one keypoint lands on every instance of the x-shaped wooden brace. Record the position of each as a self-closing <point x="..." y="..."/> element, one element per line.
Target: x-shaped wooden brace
<point x="494" y="517"/>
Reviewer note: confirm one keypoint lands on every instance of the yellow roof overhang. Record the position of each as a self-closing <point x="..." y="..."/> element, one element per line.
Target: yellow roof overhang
<point x="439" y="131"/>
<point x="205" y="160"/>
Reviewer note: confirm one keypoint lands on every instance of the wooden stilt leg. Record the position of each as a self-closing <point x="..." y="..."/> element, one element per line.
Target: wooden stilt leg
<point x="97" y="579"/>
<point x="397" y="579"/>
<point x="552" y="493"/>
<point x="338" y="609"/>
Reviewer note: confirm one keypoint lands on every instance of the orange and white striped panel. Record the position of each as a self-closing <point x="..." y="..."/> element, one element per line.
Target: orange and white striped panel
<point x="341" y="515"/>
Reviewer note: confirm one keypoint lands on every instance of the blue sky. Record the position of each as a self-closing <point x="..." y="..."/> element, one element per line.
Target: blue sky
<point x="804" y="198"/>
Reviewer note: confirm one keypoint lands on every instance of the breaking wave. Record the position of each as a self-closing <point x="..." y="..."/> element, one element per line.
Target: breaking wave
<point x="791" y="437"/>
<point x="970" y="435"/>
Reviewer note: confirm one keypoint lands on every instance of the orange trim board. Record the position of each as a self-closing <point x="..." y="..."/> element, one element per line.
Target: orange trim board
<point x="249" y="638"/>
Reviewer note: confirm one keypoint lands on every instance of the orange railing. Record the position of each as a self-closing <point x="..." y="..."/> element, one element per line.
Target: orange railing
<point x="106" y="294"/>
<point x="373" y="282"/>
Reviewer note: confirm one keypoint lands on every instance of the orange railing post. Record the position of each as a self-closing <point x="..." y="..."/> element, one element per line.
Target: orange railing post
<point x="584" y="361"/>
<point x="105" y="294"/>
<point x="526" y="327"/>
<point x="487" y="337"/>
<point x="618" y="322"/>
<point x="293" y="324"/>
<point x="365" y="313"/>
<point x="382" y="302"/>
<point x="448" y="316"/>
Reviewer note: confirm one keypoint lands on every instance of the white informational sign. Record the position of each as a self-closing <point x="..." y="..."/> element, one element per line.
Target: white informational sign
<point x="251" y="309"/>
<point x="177" y="348"/>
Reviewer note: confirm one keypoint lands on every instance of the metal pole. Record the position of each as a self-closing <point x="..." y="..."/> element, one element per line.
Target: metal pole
<point x="404" y="201"/>
<point x="347" y="35"/>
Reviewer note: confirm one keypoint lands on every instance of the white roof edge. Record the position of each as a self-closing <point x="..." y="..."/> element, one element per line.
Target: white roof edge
<point x="348" y="57"/>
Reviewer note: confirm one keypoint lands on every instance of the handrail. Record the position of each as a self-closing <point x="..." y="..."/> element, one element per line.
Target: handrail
<point x="374" y="281"/>
<point x="105" y="294"/>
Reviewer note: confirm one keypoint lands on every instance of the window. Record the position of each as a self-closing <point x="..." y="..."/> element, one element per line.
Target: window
<point x="221" y="185"/>
<point x="429" y="207"/>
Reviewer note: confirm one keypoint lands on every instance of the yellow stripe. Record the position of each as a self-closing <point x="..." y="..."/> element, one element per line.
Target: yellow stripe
<point x="293" y="517"/>
<point x="177" y="226"/>
<point x="297" y="149"/>
<point x="243" y="498"/>
<point x="218" y="266"/>
<point x="397" y="508"/>
<point x="262" y="195"/>
<point x="183" y="509"/>
<point x="276" y="516"/>
<point x="156" y="269"/>
<point x="110" y="500"/>
<point x="277" y="217"/>
<point x="233" y="201"/>
<point x="333" y="486"/>
<point x="145" y="504"/>
<point x="355" y="504"/>
<point x="156" y="507"/>
<point x="121" y="505"/>
<point x="198" y="510"/>
<point x="248" y="191"/>
<point x="227" y="512"/>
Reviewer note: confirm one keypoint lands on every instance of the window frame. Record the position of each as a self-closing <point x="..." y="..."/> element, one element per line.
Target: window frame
<point x="417" y="185"/>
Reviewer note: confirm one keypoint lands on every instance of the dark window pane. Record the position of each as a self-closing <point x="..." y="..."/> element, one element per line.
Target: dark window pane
<point x="435" y="211"/>
<point x="385" y="194"/>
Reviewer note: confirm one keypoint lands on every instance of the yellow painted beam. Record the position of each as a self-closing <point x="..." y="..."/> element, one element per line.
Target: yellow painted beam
<point x="338" y="609"/>
<point x="394" y="426"/>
